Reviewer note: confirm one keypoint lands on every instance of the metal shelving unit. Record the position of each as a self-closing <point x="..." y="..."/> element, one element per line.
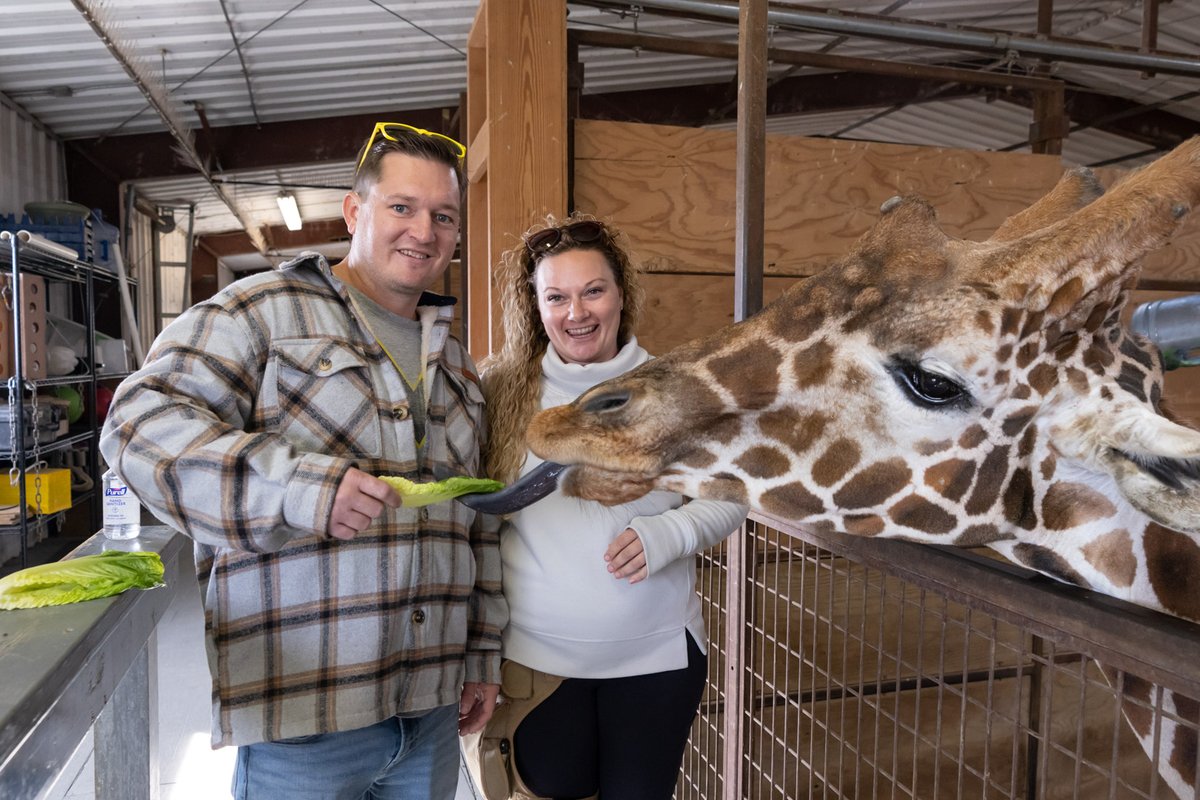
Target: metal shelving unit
<point x="23" y="454"/>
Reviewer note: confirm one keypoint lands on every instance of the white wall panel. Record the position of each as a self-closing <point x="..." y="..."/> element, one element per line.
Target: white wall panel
<point x="30" y="163"/>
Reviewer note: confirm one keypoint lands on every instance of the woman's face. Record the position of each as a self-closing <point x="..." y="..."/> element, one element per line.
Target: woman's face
<point x="580" y="304"/>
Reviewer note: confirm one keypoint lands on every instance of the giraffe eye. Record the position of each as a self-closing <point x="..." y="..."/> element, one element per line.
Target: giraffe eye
<point x="609" y="401"/>
<point x="928" y="389"/>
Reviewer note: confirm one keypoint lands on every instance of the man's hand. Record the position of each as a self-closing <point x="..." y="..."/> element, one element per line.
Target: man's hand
<point x="626" y="557"/>
<point x="476" y="706"/>
<point x="360" y="499"/>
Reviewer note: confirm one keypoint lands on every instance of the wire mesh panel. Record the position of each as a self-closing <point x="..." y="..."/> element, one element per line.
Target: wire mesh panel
<point x="875" y="669"/>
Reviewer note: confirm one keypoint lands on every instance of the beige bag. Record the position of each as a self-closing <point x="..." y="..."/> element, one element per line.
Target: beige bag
<point x="489" y="753"/>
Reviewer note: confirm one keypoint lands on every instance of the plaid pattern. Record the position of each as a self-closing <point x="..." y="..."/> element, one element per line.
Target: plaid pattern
<point x="249" y="409"/>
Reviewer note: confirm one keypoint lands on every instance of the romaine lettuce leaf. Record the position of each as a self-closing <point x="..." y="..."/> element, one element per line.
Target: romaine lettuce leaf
<point x="77" y="579"/>
<point x="423" y="494"/>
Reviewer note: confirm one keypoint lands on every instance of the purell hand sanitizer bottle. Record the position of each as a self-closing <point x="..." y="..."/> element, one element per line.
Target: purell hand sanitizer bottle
<point x="122" y="512"/>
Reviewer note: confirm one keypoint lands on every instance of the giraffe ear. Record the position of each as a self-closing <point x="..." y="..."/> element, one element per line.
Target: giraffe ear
<point x="1156" y="465"/>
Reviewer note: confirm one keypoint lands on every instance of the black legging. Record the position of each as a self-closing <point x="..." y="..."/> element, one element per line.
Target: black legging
<point x="623" y="737"/>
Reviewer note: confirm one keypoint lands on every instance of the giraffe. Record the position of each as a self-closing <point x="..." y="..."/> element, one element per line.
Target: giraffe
<point x="943" y="391"/>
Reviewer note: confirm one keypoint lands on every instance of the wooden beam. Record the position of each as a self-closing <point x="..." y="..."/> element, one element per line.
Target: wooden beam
<point x="524" y="81"/>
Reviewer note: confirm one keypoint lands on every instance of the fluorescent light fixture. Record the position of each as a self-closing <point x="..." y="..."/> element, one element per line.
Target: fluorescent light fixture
<point x="290" y="211"/>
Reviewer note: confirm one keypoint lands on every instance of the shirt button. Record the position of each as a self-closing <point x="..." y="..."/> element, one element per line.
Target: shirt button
<point x="324" y="365"/>
<point x="423" y="514"/>
<point x="400" y="412"/>
<point x="418" y="617"/>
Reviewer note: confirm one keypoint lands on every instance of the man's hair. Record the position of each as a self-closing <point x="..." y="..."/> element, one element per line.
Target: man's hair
<point x="409" y="143"/>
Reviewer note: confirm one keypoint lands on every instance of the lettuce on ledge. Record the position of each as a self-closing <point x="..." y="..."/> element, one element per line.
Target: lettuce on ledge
<point x="77" y="579"/>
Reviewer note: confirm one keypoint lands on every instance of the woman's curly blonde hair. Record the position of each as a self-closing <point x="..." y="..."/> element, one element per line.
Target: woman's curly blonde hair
<point x="512" y="377"/>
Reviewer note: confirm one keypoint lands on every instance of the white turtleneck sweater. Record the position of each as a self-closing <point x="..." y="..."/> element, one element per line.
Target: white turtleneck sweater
<point x="568" y="615"/>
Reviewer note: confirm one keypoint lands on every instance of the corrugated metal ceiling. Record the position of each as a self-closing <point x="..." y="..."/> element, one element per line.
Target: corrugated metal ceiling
<point x="320" y="58"/>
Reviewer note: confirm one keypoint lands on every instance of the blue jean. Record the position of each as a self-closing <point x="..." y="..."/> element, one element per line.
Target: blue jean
<point x="402" y="757"/>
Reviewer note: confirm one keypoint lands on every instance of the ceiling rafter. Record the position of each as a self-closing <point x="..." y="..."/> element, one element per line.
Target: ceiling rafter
<point x="157" y="96"/>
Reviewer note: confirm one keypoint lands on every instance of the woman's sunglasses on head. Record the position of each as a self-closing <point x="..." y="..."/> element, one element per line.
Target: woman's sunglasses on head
<point x="583" y="232"/>
<point x="385" y="129"/>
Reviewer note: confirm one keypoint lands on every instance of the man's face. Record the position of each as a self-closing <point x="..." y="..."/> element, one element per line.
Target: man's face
<point x="404" y="228"/>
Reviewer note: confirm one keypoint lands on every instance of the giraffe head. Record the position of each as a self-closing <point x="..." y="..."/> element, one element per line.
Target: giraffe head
<point x="937" y="389"/>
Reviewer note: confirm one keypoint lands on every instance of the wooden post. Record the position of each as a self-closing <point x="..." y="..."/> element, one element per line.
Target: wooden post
<point x="751" y="158"/>
<point x="517" y="156"/>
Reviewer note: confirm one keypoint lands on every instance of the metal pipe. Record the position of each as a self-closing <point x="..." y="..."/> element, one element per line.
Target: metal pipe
<point x="933" y="36"/>
<point x="1173" y="326"/>
<point x="242" y="61"/>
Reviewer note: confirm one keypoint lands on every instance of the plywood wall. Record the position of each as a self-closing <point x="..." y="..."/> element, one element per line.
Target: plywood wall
<point x="672" y="191"/>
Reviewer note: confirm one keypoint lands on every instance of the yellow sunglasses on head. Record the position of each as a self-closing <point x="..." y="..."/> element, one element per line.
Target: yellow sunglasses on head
<point x="382" y="128"/>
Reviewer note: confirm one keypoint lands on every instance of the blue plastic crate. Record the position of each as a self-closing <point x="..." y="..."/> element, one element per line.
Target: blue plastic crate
<point x="74" y="233"/>
<point x="92" y="238"/>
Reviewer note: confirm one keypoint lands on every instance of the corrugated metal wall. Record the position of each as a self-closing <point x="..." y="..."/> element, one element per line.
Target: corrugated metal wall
<point x="30" y="163"/>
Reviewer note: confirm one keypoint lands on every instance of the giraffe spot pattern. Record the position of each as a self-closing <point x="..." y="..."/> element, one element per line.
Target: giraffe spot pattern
<point x="1066" y="345"/>
<point x="795" y="430"/>
<point x="1003" y="353"/>
<point x="1097" y="358"/>
<point x="866" y="302"/>
<point x="1028" y="440"/>
<point x="1105" y="393"/>
<point x="1112" y="555"/>
<point x="864" y="524"/>
<point x="1096" y="319"/>
<point x="1172" y="558"/>
<point x="1016" y="422"/>
<point x="813" y="365"/>
<point x="698" y="459"/>
<point x="1047" y="561"/>
<point x="972" y="437"/>
<point x="791" y="501"/>
<point x="920" y="514"/>
<point x="1183" y="752"/>
<point x="1066" y="297"/>
<point x="726" y="488"/>
<point x="1010" y="318"/>
<point x="1022" y="392"/>
<point x="983" y="321"/>
<point x="1001" y="375"/>
<point x="874" y="484"/>
<point x="741" y="373"/>
<point x="1019" y="505"/>
<point x="1131" y="350"/>
<point x="841" y="456"/>
<point x="989" y="481"/>
<point x="1069" y="505"/>
<point x="1048" y="466"/>
<point x="762" y="461"/>
<point x="981" y="534"/>
<point x="926" y="447"/>
<point x="725" y="429"/>
<point x="1138" y="703"/>
<point x="1028" y="353"/>
<point x="792" y="326"/>
<point x="1132" y="380"/>
<point x="1078" y="380"/>
<point x="950" y="478"/>
<point x="1156" y="397"/>
<point x="1043" y="378"/>
<point x="1033" y="324"/>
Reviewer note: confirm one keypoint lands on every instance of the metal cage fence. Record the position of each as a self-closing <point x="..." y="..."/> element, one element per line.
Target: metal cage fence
<point x="845" y="667"/>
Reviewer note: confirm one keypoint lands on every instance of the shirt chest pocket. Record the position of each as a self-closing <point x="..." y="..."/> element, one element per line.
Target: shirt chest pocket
<point x="322" y="398"/>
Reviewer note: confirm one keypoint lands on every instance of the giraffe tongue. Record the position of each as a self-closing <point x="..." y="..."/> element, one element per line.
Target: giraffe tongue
<point x="525" y="492"/>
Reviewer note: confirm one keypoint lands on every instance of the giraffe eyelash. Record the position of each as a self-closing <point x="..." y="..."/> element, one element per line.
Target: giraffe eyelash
<point x="1170" y="472"/>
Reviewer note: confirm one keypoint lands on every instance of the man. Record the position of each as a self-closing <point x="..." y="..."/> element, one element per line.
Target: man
<point x="349" y="638"/>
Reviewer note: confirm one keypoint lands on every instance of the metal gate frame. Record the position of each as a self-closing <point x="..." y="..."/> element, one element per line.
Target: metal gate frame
<point x="1035" y="634"/>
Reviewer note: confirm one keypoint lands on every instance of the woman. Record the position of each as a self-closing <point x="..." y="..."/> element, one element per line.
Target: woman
<point x="602" y="596"/>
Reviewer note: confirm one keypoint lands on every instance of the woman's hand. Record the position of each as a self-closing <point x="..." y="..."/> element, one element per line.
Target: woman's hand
<point x="626" y="557"/>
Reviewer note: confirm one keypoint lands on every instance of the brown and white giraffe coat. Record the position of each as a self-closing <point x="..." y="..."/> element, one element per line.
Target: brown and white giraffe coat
<point x="939" y="390"/>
